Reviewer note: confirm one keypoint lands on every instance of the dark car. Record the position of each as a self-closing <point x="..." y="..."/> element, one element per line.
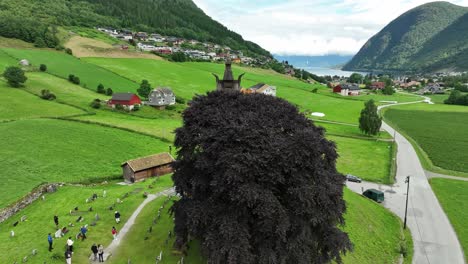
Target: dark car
<point x="375" y="195"/>
<point x="353" y="178"/>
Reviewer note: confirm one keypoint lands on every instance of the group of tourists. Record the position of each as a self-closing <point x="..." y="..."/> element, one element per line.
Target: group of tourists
<point x="97" y="250"/>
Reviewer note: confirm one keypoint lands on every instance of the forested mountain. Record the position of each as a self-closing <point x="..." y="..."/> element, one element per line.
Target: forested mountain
<point x="33" y="20"/>
<point x="431" y="37"/>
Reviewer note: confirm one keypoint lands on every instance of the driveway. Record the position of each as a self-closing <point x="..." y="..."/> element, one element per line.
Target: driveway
<point x="435" y="241"/>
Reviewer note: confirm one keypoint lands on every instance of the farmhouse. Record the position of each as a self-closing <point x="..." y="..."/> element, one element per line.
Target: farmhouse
<point x="378" y="86"/>
<point x="139" y="169"/>
<point x="260" y="88"/>
<point x="128" y="100"/>
<point x="161" y="97"/>
<point x="347" y="89"/>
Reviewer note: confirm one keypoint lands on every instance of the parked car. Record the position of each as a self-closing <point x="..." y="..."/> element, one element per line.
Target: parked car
<point x="375" y="195"/>
<point x="353" y="178"/>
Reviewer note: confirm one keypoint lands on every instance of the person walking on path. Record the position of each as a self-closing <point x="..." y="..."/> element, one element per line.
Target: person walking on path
<point x="95" y="251"/>
<point x="51" y="241"/>
<point x="117" y="217"/>
<point x="56" y="221"/>
<point x="70" y="245"/>
<point x="101" y="253"/>
<point x="83" y="231"/>
<point x="114" y="232"/>
<point x="68" y="256"/>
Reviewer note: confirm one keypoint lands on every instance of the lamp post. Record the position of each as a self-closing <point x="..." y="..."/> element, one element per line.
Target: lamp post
<point x="407" y="181"/>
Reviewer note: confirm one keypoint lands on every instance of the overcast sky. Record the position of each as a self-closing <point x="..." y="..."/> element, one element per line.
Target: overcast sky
<point x="308" y="27"/>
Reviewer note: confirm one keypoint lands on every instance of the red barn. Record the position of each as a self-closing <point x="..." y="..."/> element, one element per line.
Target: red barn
<point x="337" y="89"/>
<point x="127" y="100"/>
<point x="378" y="85"/>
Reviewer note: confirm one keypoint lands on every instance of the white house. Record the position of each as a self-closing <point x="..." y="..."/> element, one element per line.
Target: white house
<point x="261" y="88"/>
<point x="161" y="97"/>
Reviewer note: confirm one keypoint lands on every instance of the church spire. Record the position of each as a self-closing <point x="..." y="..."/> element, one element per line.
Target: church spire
<point x="228" y="83"/>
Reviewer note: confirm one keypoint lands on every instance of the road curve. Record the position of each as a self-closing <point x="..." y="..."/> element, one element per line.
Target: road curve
<point x="435" y="241"/>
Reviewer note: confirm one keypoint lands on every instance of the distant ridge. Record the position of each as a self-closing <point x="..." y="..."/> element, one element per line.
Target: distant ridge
<point x="429" y="38"/>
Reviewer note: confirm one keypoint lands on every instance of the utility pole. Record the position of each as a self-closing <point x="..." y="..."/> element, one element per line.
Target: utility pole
<point x="407" y="181"/>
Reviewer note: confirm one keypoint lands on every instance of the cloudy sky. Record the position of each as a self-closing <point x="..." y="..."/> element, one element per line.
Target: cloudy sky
<point x="308" y="27"/>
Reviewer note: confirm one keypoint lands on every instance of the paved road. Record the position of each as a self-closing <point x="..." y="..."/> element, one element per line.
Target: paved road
<point x="430" y="175"/>
<point x="435" y="241"/>
<point x="108" y="251"/>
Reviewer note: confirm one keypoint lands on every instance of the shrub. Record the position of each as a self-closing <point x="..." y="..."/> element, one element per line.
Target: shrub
<point x="96" y="104"/>
<point x="71" y="77"/>
<point x="388" y="90"/>
<point x="136" y="107"/>
<point x="109" y="92"/>
<point x="47" y="95"/>
<point x="69" y="51"/>
<point x="100" y="89"/>
<point x="315" y="90"/>
<point x="119" y="107"/>
<point x="180" y="100"/>
<point x="43" y="67"/>
<point x="74" y="79"/>
<point x="15" y="76"/>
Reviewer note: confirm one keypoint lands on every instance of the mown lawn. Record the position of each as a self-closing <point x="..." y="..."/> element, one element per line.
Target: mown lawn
<point x="440" y="130"/>
<point x="368" y="159"/>
<point x="374" y="231"/>
<point x="19" y="104"/>
<point x="453" y="196"/>
<point x="32" y="234"/>
<point x="44" y="150"/>
<point x="349" y="131"/>
<point x="6" y="60"/>
<point x="61" y="64"/>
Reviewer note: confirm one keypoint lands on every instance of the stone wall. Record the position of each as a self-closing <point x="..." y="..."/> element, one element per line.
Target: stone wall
<point x="27" y="200"/>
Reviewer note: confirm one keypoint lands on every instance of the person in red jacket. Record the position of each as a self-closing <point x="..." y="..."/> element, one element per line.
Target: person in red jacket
<point x="114" y="232"/>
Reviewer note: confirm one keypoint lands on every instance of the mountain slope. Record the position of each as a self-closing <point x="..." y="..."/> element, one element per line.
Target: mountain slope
<point x="410" y="42"/>
<point x="30" y="20"/>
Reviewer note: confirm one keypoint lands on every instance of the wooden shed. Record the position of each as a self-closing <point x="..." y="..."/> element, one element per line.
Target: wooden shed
<point x="151" y="166"/>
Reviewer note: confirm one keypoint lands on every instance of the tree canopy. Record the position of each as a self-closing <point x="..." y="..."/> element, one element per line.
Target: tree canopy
<point x="145" y="89"/>
<point x="15" y="76"/>
<point x="370" y="121"/>
<point x="258" y="183"/>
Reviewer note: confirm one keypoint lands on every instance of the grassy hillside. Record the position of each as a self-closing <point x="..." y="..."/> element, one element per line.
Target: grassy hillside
<point x="23" y="105"/>
<point x="440" y="130"/>
<point x="62" y="151"/>
<point x="31" y="20"/>
<point x="375" y="233"/>
<point x="453" y="197"/>
<point x="428" y="37"/>
<point x="61" y="64"/>
<point x="32" y="234"/>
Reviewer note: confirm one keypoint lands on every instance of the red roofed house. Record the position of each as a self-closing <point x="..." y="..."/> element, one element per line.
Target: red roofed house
<point x="378" y="85"/>
<point x="128" y="100"/>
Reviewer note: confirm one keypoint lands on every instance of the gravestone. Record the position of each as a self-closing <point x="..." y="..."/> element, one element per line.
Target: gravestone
<point x="96" y="217"/>
<point x="104" y="193"/>
<point x="87" y="200"/>
<point x="24" y="218"/>
<point x="25" y="259"/>
<point x="12" y="233"/>
<point x="34" y="252"/>
<point x="43" y="197"/>
<point x="118" y="200"/>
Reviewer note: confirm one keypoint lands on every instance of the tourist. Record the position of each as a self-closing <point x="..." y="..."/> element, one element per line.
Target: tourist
<point x="114" y="232"/>
<point x="68" y="256"/>
<point x="95" y="251"/>
<point x="64" y="230"/>
<point x="117" y="217"/>
<point x="56" y="221"/>
<point x="83" y="231"/>
<point x="51" y="241"/>
<point x="101" y="253"/>
<point x="70" y="244"/>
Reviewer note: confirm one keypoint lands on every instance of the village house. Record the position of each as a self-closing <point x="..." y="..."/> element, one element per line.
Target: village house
<point x="377" y="86"/>
<point x="432" y="88"/>
<point x="411" y="84"/>
<point x="260" y="88"/>
<point x="161" y="97"/>
<point x="127" y="100"/>
<point x="347" y="89"/>
<point x="141" y="36"/>
<point x="139" y="169"/>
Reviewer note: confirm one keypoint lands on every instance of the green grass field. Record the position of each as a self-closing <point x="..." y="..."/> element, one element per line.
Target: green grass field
<point x="453" y="196"/>
<point x="32" y="234"/>
<point x="367" y="159"/>
<point x="349" y="131"/>
<point x="375" y="233"/>
<point x="61" y="64"/>
<point x="20" y="104"/>
<point x="440" y="130"/>
<point x="6" y="60"/>
<point x="44" y="150"/>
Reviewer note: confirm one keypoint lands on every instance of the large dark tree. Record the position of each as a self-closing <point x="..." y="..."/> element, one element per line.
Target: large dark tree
<point x="258" y="183"/>
<point x="15" y="76"/>
<point x="370" y="121"/>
